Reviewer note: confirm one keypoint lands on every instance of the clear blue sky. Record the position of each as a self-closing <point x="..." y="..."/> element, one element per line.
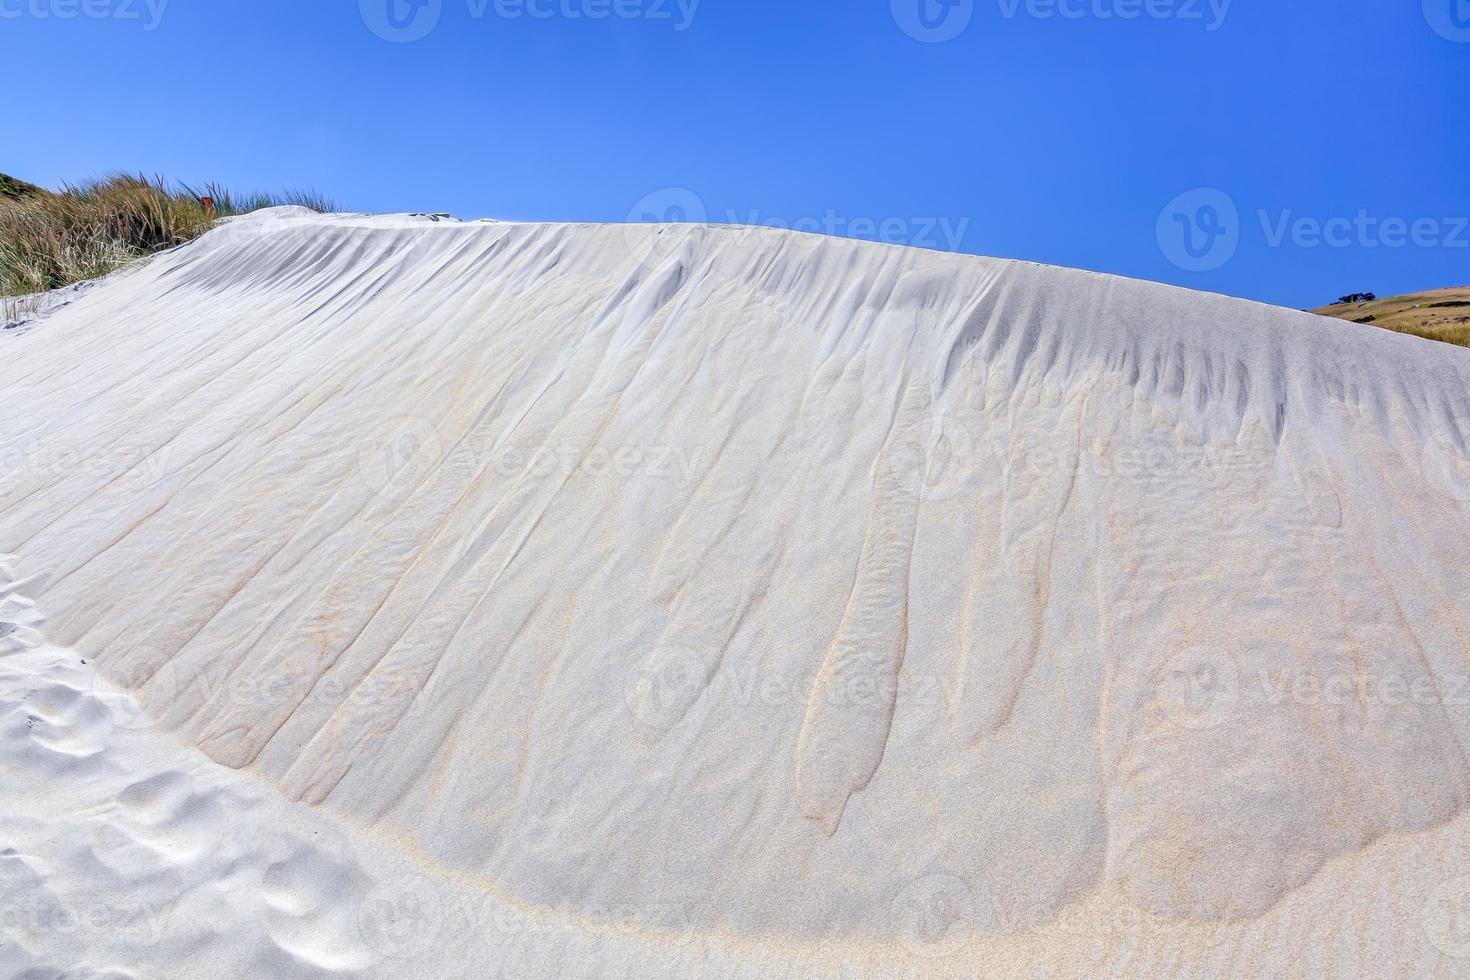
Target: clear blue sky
<point x="1054" y="133"/>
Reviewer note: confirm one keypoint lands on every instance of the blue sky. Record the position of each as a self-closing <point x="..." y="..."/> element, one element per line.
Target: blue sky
<point x="1283" y="150"/>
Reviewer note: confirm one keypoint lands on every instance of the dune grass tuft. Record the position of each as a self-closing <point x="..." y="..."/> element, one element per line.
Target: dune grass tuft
<point x="84" y="231"/>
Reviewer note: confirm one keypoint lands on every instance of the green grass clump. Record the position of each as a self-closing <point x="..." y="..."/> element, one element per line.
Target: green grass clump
<point x="227" y="203"/>
<point x="50" y="240"/>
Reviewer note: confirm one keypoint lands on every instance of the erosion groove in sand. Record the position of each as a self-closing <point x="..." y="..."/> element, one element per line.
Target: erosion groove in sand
<point x="851" y="706"/>
<point x="615" y="565"/>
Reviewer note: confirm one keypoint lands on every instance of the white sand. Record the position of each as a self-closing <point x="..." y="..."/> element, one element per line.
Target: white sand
<point x="688" y="601"/>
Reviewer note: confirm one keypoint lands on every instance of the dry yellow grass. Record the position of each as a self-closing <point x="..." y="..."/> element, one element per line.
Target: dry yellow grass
<point x="1438" y="314"/>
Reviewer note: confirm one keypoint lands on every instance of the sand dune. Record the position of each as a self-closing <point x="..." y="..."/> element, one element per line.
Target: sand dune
<point x="707" y="601"/>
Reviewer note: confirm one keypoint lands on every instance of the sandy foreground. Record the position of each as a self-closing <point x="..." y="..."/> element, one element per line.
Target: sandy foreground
<point x="392" y="597"/>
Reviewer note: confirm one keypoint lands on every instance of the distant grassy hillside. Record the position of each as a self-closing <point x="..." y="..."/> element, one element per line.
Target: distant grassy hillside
<point x="1440" y="314"/>
<point x="83" y="231"/>
<point x="13" y="190"/>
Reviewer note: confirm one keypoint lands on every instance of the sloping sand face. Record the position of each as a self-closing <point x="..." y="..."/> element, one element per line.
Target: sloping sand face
<point x="822" y="592"/>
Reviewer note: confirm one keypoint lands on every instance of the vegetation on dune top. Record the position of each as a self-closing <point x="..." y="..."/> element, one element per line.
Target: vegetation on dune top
<point x="53" y="239"/>
<point x="1439" y="314"/>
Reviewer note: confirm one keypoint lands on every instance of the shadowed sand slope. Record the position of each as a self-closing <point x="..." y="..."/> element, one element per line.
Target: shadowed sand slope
<point x="770" y="576"/>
